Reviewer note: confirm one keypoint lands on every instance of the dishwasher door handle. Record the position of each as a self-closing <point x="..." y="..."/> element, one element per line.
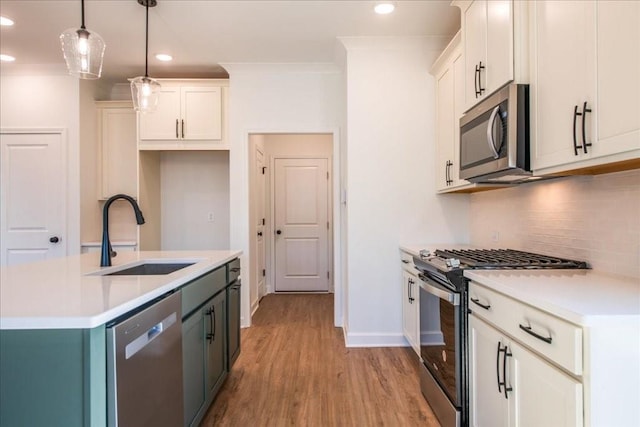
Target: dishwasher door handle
<point x="146" y="337"/>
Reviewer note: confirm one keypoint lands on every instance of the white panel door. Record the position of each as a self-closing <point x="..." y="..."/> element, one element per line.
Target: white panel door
<point x="301" y="224"/>
<point x="260" y="226"/>
<point x="32" y="197"/>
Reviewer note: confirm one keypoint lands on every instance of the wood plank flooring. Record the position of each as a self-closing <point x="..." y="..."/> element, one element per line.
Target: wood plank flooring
<point x="294" y="370"/>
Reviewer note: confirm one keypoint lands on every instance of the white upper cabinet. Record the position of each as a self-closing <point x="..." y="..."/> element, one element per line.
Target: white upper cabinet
<point x="449" y="74"/>
<point x="118" y="151"/>
<point x="584" y="95"/>
<point x="488" y="34"/>
<point x="190" y="115"/>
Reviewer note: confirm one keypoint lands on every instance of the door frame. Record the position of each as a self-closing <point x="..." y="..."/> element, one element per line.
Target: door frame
<point x="338" y="198"/>
<point x="269" y="230"/>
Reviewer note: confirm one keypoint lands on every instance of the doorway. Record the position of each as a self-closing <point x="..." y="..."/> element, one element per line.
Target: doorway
<point x="33" y="196"/>
<point x="291" y="191"/>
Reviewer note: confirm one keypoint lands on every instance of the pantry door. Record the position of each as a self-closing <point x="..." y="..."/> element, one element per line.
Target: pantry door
<point x="33" y="196"/>
<point x="301" y="225"/>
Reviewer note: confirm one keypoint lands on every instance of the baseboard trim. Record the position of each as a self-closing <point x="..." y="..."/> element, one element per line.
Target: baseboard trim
<point x="372" y="339"/>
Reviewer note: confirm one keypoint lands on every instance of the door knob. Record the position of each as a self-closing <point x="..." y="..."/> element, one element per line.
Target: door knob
<point x="54" y="239"/>
<point x="278" y="231"/>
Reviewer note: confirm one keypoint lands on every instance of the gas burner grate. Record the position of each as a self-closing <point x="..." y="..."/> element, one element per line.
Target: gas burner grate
<point x="507" y="258"/>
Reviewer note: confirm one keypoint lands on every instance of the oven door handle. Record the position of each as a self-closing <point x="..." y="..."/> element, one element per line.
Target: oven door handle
<point x="438" y="290"/>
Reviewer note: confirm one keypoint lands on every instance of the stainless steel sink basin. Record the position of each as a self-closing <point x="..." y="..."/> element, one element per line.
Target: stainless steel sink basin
<point x="150" y="269"/>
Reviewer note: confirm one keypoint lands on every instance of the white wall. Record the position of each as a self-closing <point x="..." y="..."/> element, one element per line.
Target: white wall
<point x="194" y="184"/>
<point x="46" y="97"/>
<point x="391" y="196"/>
<point x="272" y="98"/>
<point x="589" y="218"/>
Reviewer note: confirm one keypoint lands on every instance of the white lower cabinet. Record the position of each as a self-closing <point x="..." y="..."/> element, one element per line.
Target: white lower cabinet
<point x="512" y="386"/>
<point x="410" y="303"/>
<point x="525" y="365"/>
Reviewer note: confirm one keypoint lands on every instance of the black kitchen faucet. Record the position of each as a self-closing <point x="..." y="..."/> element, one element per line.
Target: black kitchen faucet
<point x="107" y="253"/>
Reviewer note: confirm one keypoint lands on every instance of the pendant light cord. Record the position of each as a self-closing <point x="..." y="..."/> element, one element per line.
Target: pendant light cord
<point x="82" y="8"/>
<point x="146" y="47"/>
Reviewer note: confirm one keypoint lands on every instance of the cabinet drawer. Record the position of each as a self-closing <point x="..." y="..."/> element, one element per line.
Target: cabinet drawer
<point x="557" y="340"/>
<point x="234" y="270"/>
<point x="196" y="292"/>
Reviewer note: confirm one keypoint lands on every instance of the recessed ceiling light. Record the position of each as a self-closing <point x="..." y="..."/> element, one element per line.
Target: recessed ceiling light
<point x="163" y="57"/>
<point x="5" y="22"/>
<point x="7" y="58"/>
<point x="384" y="7"/>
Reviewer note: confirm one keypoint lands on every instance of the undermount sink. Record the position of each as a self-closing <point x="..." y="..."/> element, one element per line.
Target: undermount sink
<point x="150" y="269"/>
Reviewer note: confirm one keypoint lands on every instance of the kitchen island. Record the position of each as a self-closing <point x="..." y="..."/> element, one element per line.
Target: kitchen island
<point x="53" y="318"/>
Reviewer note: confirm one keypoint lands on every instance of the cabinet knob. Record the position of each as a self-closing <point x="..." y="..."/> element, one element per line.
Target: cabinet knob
<point x="278" y="231"/>
<point x="260" y="233"/>
<point x="54" y="239"/>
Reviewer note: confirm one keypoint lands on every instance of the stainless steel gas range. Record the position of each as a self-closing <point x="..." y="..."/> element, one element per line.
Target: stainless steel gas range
<point x="443" y="320"/>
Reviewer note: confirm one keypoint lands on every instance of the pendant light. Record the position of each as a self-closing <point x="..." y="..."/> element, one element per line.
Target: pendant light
<point x="83" y="51"/>
<point x="145" y="90"/>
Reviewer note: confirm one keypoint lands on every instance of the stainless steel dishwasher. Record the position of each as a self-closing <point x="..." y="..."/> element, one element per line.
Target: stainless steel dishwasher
<point x="144" y="366"/>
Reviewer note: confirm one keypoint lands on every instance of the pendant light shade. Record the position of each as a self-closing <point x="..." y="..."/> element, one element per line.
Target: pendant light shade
<point x="145" y="91"/>
<point x="83" y="51"/>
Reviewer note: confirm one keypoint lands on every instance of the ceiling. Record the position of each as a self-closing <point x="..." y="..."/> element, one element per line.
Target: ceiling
<point x="202" y="34"/>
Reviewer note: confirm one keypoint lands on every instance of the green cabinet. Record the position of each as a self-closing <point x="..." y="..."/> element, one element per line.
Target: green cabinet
<point x="204" y="343"/>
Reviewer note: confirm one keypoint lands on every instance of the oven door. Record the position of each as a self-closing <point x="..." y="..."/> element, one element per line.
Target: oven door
<point x="441" y="336"/>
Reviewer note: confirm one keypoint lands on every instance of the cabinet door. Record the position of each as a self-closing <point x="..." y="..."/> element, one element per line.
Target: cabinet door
<point x="487" y="404"/>
<point x="458" y="109"/>
<point x="410" y="309"/>
<point x="563" y="67"/>
<point x="542" y="394"/>
<point x="618" y="53"/>
<point x="193" y="342"/>
<point x="233" y="321"/>
<point x="216" y="343"/>
<point x="475" y="49"/>
<point x="163" y="124"/>
<point x="445" y="119"/>
<point x="499" y="68"/>
<point x="119" y="149"/>
<point x="201" y="113"/>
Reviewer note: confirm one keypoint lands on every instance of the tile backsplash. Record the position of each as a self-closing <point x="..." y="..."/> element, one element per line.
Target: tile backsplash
<point x="590" y="218"/>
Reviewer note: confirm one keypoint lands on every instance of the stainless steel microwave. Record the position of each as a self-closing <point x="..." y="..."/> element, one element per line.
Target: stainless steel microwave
<point x="494" y="138"/>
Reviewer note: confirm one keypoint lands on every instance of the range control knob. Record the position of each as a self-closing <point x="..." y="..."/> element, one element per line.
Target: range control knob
<point x="453" y="262"/>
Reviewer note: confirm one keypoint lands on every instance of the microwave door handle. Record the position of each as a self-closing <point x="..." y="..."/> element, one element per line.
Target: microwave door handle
<point x="490" y="141"/>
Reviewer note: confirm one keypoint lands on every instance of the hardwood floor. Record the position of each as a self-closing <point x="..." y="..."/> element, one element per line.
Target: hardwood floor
<point x="294" y="370"/>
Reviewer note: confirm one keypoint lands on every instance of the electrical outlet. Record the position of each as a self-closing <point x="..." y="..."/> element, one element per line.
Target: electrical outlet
<point x="210" y="217"/>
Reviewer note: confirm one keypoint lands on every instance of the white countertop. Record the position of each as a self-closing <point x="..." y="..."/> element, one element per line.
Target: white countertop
<point x="61" y="294"/>
<point x="583" y="297"/>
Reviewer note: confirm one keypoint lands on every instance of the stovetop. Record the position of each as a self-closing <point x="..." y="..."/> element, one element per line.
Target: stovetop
<point x="506" y="259"/>
<point x="448" y="265"/>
